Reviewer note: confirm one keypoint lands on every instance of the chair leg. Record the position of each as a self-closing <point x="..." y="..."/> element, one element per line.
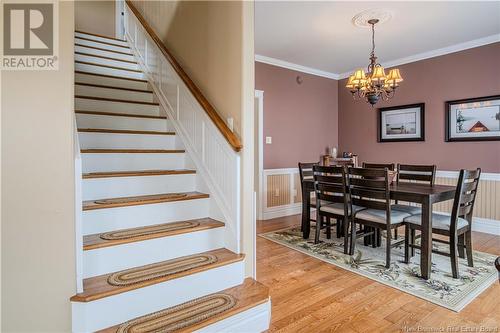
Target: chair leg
<point x="396" y="233"/>
<point x="454" y="256"/>
<point x="388" y="249"/>
<point x="328" y="227"/>
<point x="319" y="219"/>
<point x="461" y="244"/>
<point x="374" y="237"/>
<point x="468" y="248"/>
<point x="407" y="244"/>
<point x="345" y="225"/>
<point x="353" y="238"/>
<point x="412" y="235"/>
<point x="379" y="238"/>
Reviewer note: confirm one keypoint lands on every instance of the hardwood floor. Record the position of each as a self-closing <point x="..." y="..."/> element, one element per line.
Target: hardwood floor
<point x="309" y="295"/>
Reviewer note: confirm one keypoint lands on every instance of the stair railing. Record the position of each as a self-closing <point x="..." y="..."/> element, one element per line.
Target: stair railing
<point x="211" y="145"/>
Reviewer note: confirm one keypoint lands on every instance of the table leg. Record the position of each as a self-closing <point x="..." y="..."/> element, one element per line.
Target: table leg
<point x="426" y="240"/>
<point x="306" y="212"/>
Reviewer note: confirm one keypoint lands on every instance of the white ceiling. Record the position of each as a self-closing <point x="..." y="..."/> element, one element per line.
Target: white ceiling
<point x="319" y="37"/>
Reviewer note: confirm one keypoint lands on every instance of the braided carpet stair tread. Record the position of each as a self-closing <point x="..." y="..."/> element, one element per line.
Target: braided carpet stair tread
<point x="159" y="270"/>
<point x="123" y="236"/>
<point x="141" y="200"/>
<point x="191" y="316"/>
<point x="106" y="285"/>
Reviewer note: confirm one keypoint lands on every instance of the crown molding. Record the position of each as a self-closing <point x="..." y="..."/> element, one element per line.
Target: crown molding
<point x="295" y="67"/>
<point x="401" y="61"/>
<point x="435" y="53"/>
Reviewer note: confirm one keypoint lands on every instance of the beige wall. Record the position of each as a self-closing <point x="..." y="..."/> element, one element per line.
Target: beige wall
<point x="206" y="38"/>
<point x="96" y="17"/>
<point x="38" y="236"/>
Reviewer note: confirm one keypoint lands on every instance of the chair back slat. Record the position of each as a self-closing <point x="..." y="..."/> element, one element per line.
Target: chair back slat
<point x="330" y="185"/>
<point x="382" y="166"/>
<point x="465" y="197"/>
<point x="369" y="182"/>
<point x="367" y="193"/>
<point x="369" y="203"/>
<point x="305" y="172"/>
<point x="421" y="173"/>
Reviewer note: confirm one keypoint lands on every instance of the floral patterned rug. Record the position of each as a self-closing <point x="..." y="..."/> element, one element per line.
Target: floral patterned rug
<point x="441" y="289"/>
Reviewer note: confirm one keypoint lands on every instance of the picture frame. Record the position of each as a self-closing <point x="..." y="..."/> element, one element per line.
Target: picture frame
<point x="473" y="119"/>
<point x="401" y="123"/>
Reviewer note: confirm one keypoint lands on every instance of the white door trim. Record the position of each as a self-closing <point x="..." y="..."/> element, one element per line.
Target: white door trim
<point x="259" y="94"/>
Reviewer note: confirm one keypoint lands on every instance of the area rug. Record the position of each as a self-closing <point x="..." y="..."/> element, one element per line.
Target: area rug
<point x="180" y="316"/>
<point x="441" y="289"/>
<point x="161" y="269"/>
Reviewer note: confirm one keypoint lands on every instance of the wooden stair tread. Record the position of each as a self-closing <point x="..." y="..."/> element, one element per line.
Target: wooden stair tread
<point x="98" y="287"/>
<point x="107" y="66"/>
<point x="94" y="241"/>
<point x="115" y="114"/>
<point x="248" y="295"/>
<point x="112" y="87"/>
<point x="92" y="175"/>
<point x="103" y="49"/>
<point x="131" y="151"/>
<point x="102" y="36"/>
<point x="117" y="131"/>
<point x="142" y="200"/>
<point x="105" y="57"/>
<point x="112" y="76"/>
<point x="101" y="42"/>
<point x="106" y="99"/>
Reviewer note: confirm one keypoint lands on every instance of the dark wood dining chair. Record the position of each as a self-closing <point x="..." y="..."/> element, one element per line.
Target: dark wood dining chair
<point x="457" y="226"/>
<point x="330" y="185"/>
<point x="425" y="174"/>
<point x="389" y="166"/>
<point x="369" y="189"/>
<point x="306" y="173"/>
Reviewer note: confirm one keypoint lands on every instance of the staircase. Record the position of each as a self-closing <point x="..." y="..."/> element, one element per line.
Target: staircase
<point x="154" y="258"/>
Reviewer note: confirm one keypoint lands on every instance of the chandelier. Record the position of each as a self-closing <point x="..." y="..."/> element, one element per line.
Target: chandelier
<point x="374" y="84"/>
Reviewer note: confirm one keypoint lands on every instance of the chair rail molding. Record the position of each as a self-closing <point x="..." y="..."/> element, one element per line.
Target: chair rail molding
<point x="215" y="158"/>
<point x="281" y="196"/>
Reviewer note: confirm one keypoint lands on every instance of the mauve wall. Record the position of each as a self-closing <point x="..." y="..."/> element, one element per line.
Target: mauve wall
<point x="301" y="119"/>
<point x="470" y="73"/>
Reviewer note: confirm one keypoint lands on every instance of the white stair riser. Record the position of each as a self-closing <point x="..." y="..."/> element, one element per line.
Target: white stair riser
<point x="89" y="50"/>
<point x="103" y="220"/>
<point x="113" y="310"/>
<point x="108" y="71"/>
<point x="102" y="39"/>
<point x="113" y="93"/>
<point x="131" y="161"/>
<point x="255" y="319"/>
<point x="125" y="123"/>
<point x="103" y="61"/>
<point x="85" y="104"/>
<point x="100" y="188"/>
<point x="101" y="45"/>
<point x="126" y="141"/>
<point x="115" y="258"/>
<point x="109" y="81"/>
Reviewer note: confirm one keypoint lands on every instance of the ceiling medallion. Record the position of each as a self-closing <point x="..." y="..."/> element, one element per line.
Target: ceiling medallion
<point x="374" y="84"/>
<point x="361" y="19"/>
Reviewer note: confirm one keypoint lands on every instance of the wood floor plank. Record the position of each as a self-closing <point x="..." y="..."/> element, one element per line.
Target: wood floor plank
<point x="307" y="294"/>
<point x="98" y="287"/>
<point x="94" y="241"/>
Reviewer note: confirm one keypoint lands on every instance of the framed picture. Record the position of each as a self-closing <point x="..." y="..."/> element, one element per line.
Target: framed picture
<point x="401" y="123"/>
<point x="474" y="119"/>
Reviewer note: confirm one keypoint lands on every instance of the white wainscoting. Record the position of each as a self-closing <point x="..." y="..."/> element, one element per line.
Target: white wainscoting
<point x="216" y="162"/>
<point x="283" y="187"/>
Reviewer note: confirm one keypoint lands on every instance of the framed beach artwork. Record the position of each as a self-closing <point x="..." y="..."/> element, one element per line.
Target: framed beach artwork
<point x="401" y="123"/>
<point x="474" y="119"/>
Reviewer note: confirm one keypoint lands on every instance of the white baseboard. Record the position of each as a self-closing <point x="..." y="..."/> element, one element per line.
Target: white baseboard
<point x="487" y="226"/>
<point x="280" y="211"/>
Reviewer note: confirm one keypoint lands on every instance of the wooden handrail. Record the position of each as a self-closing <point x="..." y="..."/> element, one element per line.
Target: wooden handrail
<point x="231" y="138"/>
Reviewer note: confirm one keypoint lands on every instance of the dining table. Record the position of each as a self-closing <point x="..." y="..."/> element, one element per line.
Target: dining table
<point x="423" y="194"/>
